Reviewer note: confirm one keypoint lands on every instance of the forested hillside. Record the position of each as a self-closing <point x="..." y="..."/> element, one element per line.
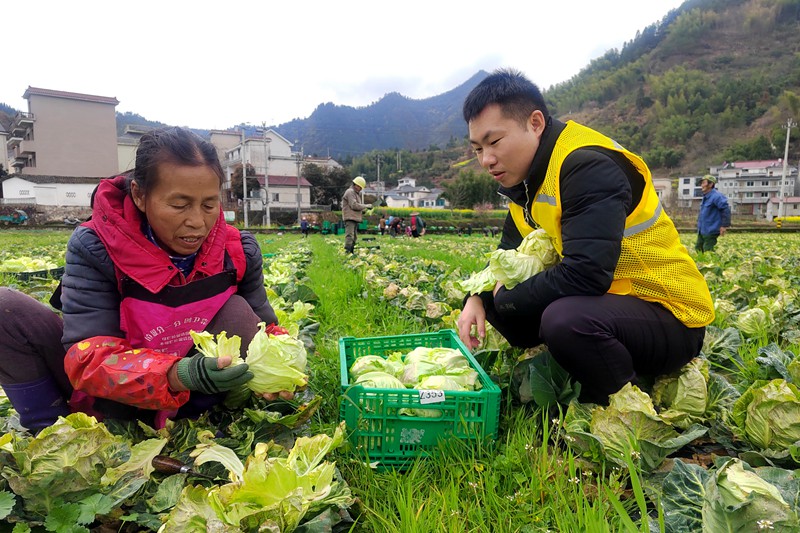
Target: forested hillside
<point x="713" y="81"/>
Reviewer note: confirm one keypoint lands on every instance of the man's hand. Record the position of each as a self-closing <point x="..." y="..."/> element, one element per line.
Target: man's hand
<point x="472" y="314"/>
<point x="208" y="375"/>
<point x="722" y="231"/>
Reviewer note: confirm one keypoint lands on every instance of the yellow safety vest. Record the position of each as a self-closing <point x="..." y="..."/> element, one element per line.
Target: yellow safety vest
<point x="653" y="264"/>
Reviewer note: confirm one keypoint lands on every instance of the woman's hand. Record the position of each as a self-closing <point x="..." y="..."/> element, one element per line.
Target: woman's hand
<point x="208" y="375"/>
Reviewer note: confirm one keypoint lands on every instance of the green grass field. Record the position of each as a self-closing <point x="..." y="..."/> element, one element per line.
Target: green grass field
<point x="533" y="477"/>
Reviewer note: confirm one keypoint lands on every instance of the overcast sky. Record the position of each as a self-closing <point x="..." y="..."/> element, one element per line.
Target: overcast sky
<point x="216" y="64"/>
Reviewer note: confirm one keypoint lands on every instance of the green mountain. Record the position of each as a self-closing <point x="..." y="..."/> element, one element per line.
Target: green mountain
<point x="714" y="81"/>
<point x="393" y="122"/>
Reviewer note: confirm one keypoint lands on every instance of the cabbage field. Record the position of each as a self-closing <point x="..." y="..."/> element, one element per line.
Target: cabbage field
<point x="714" y="447"/>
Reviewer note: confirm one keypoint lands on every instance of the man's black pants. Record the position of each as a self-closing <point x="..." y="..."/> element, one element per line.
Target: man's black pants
<point x="606" y="341"/>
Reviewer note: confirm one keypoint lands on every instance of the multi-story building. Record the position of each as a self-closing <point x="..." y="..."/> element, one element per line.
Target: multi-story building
<point x="64" y="134"/>
<point x="689" y="193"/>
<point x="271" y="155"/>
<point x="751" y="186"/>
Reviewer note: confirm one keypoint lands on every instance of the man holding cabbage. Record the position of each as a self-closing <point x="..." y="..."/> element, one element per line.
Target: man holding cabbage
<point x="623" y="298"/>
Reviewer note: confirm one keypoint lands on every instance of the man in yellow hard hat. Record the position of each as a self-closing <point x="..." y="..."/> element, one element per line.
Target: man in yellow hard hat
<point x="353" y="212"/>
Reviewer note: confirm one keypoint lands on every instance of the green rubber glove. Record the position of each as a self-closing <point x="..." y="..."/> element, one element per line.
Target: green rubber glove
<point x="200" y="373"/>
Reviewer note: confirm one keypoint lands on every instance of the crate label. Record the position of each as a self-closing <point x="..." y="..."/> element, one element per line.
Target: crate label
<point x="411" y="436"/>
<point x="431" y="396"/>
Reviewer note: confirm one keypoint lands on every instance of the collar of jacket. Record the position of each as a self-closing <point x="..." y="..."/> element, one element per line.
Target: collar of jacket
<point x="118" y="222"/>
<point x="538" y="169"/>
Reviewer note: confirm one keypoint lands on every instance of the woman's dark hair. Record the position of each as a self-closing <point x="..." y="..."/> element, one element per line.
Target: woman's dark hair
<point x="174" y="145"/>
<point x="516" y="95"/>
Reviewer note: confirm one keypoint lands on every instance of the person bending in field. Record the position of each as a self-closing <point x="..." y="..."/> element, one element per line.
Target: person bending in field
<point x="155" y="261"/>
<point x="626" y="299"/>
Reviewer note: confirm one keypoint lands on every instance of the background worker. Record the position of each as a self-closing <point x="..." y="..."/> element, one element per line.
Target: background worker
<point x="714" y="218"/>
<point x="396" y="226"/>
<point x="626" y="299"/>
<point x="417" y="225"/>
<point x="353" y="212"/>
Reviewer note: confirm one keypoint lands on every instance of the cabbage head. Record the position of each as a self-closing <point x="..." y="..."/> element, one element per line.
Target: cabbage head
<point x="512" y="267"/>
<point x="754" y="322"/>
<point x="208" y="345"/>
<point x="630" y="427"/>
<point x="738" y="499"/>
<point x="375" y="363"/>
<point x="273" y="491"/>
<point x="768" y="414"/>
<point x="278" y="362"/>
<point x="683" y="394"/>
<point x="379" y="380"/>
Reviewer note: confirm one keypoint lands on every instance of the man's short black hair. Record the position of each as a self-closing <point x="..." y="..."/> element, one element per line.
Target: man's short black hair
<point x="516" y="95"/>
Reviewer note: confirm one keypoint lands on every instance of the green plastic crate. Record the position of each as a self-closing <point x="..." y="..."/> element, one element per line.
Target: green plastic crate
<point x="55" y="273"/>
<point x="376" y="429"/>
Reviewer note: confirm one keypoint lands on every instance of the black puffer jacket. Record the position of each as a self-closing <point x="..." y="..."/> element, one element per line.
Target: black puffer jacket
<point x="599" y="189"/>
<point x="92" y="307"/>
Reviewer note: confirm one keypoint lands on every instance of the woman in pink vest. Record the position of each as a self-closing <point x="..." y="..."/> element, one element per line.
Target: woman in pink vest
<point x="155" y="261"/>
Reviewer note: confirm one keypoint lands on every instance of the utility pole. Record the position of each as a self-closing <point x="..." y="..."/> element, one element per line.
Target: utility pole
<point x="299" y="156"/>
<point x="244" y="179"/>
<point x="789" y="125"/>
<point x="266" y="140"/>
<point x="378" y="157"/>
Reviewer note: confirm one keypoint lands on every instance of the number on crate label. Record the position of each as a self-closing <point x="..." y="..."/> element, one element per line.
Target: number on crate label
<point x="431" y="396"/>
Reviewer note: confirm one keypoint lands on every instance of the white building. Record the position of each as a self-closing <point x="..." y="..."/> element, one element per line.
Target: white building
<point x="61" y="191"/>
<point x="791" y="207"/>
<point x="750" y="185"/>
<point x="270" y="154"/>
<point x="407" y="194"/>
<point x="689" y="193"/>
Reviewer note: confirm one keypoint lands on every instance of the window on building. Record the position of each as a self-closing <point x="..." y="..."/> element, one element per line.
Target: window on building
<point x="275" y="197"/>
<point x="686" y="192"/>
<point x="750" y="183"/>
<point x="687" y="181"/>
<point x="748" y="195"/>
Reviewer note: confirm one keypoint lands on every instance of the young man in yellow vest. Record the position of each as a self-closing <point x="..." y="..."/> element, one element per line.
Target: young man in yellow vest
<point x="626" y="299"/>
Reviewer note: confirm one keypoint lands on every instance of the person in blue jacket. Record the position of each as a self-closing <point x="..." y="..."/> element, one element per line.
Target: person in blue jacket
<point x="715" y="215"/>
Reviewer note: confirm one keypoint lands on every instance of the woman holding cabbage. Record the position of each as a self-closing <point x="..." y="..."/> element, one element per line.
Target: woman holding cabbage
<point x="625" y="299"/>
<point x="155" y="262"/>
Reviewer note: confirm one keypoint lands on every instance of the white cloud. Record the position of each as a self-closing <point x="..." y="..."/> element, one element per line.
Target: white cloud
<point x="215" y="64"/>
